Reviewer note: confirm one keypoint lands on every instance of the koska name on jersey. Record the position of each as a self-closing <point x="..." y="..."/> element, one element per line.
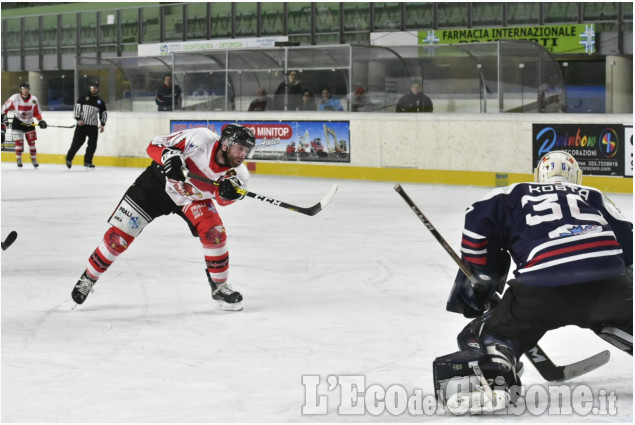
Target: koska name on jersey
<point x="584" y="193"/>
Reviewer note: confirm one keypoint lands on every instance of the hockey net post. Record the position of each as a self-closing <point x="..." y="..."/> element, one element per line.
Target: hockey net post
<point x="536" y="355"/>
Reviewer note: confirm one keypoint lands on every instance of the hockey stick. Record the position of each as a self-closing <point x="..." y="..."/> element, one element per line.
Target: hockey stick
<point x="56" y="126"/>
<point x="551" y="372"/>
<point x="547" y="369"/>
<point x="308" y="211"/>
<point x="9" y="240"/>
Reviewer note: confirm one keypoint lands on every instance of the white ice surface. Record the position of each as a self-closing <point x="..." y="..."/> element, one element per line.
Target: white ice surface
<point x="358" y="289"/>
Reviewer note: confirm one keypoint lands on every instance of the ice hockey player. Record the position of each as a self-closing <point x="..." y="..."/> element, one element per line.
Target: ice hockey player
<point x="163" y="189"/>
<point x="25" y="107"/>
<point x="573" y="252"/>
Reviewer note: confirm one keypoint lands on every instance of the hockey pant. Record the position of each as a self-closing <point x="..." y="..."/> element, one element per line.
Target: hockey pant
<point x="527" y="312"/>
<point x="18" y="138"/>
<point x="81" y="133"/>
<point x="143" y="202"/>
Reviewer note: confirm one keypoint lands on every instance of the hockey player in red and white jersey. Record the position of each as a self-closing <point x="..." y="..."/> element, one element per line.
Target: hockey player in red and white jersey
<point x="25" y="107"/>
<point x="163" y="188"/>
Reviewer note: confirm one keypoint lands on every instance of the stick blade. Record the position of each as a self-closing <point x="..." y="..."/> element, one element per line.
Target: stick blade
<point x="585" y="366"/>
<point x="320" y="205"/>
<point x="9" y="240"/>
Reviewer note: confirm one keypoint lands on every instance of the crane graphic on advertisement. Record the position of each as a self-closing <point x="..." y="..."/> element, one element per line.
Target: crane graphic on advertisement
<point x="338" y="147"/>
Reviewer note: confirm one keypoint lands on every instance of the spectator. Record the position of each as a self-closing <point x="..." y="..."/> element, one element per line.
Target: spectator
<point x="168" y="95"/>
<point x="329" y="103"/>
<point x="90" y="113"/>
<point x="308" y="101"/>
<point x="261" y="101"/>
<point x="549" y="94"/>
<point x="415" y="101"/>
<point x="361" y="102"/>
<point x="287" y="96"/>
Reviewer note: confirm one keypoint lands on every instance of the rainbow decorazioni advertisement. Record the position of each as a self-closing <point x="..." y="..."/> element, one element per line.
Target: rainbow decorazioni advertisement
<point x="600" y="149"/>
<point x="310" y="141"/>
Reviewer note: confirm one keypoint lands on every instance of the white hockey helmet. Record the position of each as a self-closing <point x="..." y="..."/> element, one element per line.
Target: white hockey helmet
<point x="557" y="166"/>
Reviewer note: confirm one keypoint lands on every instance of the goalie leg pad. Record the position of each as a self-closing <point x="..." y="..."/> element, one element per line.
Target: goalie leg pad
<point x="462" y="391"/>
<point x="455" y="367"/>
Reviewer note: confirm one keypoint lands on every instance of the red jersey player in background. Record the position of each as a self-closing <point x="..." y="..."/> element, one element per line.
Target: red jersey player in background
<point x="163" y="189"/>
<point x="25" y="107"/>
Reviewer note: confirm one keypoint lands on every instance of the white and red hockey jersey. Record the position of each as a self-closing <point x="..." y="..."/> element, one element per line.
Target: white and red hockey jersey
<point x="24" y="108"/>
<point x="199" y="147"/>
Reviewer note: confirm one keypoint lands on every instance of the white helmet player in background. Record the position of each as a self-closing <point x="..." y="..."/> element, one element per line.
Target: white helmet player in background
<point x="558" y="167"/>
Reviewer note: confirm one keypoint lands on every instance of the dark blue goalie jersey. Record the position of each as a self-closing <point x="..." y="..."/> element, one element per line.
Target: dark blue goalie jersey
<point x="557" y="234"/>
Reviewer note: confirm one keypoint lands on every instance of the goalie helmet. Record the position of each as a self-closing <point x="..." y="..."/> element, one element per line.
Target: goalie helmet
<point x="236" y="133"/>
<point x="558" y="166"/>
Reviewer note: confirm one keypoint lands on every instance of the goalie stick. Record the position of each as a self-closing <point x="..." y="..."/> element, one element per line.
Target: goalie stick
<point x="551" y="372"/>
<point x="307" y="211"/>
<point x="9" y="240"/>
<point x="547" y="369"/>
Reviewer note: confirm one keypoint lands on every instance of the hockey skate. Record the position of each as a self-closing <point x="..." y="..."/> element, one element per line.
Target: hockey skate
<point x="19" y="161"/>
<point x="34" y="162"/>
<point x="227" y="298"/>
<point x="82" y="288"/>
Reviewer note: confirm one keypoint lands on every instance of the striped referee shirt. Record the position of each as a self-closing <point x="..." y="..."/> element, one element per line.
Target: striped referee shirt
<point x="91" y="110"/>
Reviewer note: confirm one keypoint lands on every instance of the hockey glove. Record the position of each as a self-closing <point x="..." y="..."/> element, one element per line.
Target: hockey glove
<point x="173" y="164"/>
<point x="465" y="299"/>
<point x="228" y="189"/>
<point x="42" y="124"/>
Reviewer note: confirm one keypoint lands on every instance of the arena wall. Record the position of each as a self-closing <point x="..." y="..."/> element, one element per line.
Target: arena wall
<point x="464" y="149"/>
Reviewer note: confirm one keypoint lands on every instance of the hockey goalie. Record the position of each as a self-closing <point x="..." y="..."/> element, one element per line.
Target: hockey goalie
<point x="573" y="252"/>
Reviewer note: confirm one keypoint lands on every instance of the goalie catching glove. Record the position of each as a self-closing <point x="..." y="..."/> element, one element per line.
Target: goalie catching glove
<point x="229" y="187"/>
<point x="472" y="301"/>
<point x="173" y="164"/>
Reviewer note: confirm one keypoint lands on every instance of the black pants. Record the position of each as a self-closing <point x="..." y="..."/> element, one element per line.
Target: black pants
<point x="81" y="132"/>
<point x="148" y="193"/>
<point x="527" y="312"/>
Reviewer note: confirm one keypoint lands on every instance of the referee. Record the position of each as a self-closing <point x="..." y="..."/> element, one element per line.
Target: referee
<point x="90" y="113"/>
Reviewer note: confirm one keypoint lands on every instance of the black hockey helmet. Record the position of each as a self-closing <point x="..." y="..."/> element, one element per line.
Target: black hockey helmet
<point x="236" y="133"/>
<point x="94" y="83"/>
<point x="25" y="85"/>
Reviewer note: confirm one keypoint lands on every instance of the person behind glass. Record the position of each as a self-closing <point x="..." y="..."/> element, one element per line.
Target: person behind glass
<point x="91" y="116"/>
<point x="415" y="101"/>
<point x="329" y="103"/>
<point x="361" y="102"/>
<point x="287" y="95"/>
<point x="168" y="94"/>
<point x="261" y="101"/>
<point x="308" y="101"/>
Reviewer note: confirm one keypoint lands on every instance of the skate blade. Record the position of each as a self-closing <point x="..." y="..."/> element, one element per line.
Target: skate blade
<point x="229" y="307"/>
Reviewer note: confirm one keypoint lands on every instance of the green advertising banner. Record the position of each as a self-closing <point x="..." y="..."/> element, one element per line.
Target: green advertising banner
<point x="555" y="38"/>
